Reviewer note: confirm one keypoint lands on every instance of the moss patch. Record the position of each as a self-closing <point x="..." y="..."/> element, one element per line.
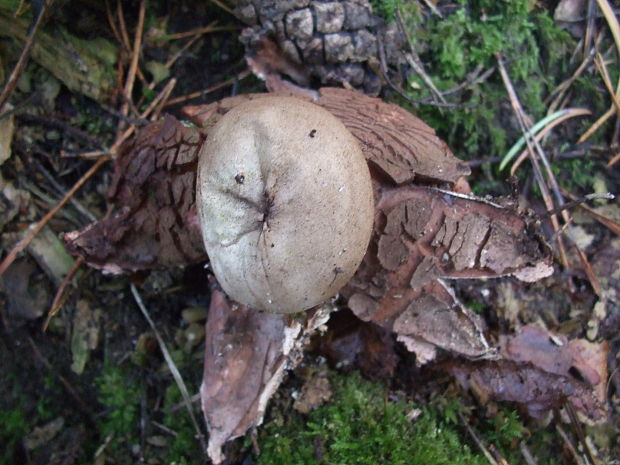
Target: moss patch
<point x="362" y="427"/>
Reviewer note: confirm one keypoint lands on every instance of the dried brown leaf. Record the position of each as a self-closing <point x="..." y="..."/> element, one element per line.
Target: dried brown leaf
<point x="243" y="354"/>
<point x="541" y="370"/>
<point x="247" y="353"/>
<point x="533" y="388"/>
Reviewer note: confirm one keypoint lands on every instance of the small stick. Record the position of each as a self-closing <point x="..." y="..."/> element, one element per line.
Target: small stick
<point x="173" y="368"/>
<point x="133" y="66"/>
<point x="473" y="78"/>
<point x="60" y="297"/>
<point x="433" y="8"/>
<point x="527" y="455"/>
<point x="570" y="113"/>
<point x="161" y="99"/>
<point x="414" y="60"/>
<point x="613" y="160"/>
<point x="576" y="424"/>
<point x="112" y="24"/>
<point x="223" y="7"/>
<point x="516" y="105"/>
<point x="602" y="69"/>
<point x="199" y="31"/>
<point x="477" y="440"/>
<point x="574" y="203"/>
<point x="180" y="52"/>
<point x="610" y="224"/>
<point x="184" y="98"/>
<point x="23" y="243"/>
<point x="569" y="445"/>
<point x="397" y="89"/>
<point x="123" y="27"/>
<point x="164" y="428"/>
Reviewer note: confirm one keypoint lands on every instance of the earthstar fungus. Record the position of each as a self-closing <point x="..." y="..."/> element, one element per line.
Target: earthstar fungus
<point x="285" y="203"/>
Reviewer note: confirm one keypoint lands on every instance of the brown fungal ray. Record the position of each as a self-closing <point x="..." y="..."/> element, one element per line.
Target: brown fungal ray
<point x="423" y="235"/>
<point x="392" y="138"/>
<point x="152" y="222"/>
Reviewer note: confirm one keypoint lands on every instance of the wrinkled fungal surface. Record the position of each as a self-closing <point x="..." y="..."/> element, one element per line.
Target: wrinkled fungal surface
<point x="285" y="203"/>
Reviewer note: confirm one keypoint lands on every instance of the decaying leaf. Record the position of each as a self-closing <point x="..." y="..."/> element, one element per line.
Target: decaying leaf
<point x="247" y="353"/>
<point x="84" y="334"/>
<point x="541" y="370"/>
<point x="27" y="293"/>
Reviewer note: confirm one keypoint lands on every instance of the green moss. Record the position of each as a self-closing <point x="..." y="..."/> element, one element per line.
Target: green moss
<point x="14" y="428"/>
<point x="119" y="393"/>
<point x="576" y="174"/>
<point x="362" y="427"/>
<point x="536" y="54"/>
<point x="183" y="447"/>
<point x="385" y="9"/>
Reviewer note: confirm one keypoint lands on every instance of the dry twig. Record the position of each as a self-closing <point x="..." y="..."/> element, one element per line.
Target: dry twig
<point x="133" y="67"/>
<point x="22" y="244"/>
<point x="477" y="440"/>
<point x="184" y="98"/>
<point x="173" y="368"/>
<point x="516" y="105"/>
<point x="61" y="296"/>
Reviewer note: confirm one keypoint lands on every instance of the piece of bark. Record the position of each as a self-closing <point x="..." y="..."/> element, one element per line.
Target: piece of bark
<point x="246" y="355"/>
<point x="423" y="235"/>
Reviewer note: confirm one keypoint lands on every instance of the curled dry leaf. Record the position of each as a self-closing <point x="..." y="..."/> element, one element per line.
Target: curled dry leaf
<point x="247" y="353"/>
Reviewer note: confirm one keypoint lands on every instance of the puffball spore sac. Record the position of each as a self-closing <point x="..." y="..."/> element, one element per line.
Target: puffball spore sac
<point x="285" y="203"/>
